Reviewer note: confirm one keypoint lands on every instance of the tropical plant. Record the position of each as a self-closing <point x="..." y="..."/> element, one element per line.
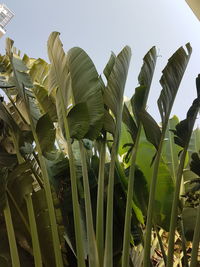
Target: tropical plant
<point x="87" y="179"/>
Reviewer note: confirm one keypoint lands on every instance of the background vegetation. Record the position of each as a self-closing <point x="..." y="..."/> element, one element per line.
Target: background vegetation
<point x="88" y="180"/>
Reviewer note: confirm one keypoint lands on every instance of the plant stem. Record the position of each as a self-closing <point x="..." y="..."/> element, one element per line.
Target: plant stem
<point x="34" y="233"/>
<point x="183" y="240"/>
<point x="174" y="212"/>
<point x="11" y="236"/>
<point x="100" y="205"/>
<point x="196" y="240"/>
<point x="127" y="225"/>
<point x="50" y="205"/>
<point x="147" y="244"/>
<point x="75" y="202"/>
<point x="18" y="210"/>
<point x="161" y="245"/>
<point x="93" y="253"/>
<point x="108" y="255"/>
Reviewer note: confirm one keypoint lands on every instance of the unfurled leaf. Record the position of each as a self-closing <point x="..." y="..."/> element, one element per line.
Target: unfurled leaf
<point x="139" y="99"/>
<point x="78" y="120"/>
<point x="116" y="82"/>
<point x="171" y="79"/>
<point x="87" y="87"/>
<point x="58" y="74"/>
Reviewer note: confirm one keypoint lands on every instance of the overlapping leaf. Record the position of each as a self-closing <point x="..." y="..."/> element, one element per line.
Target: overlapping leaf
<point x="87" y="87"/>
<point x="46" y="133"/>
<point x="171" y="79"/>
<point x="58" y="72"/>
<point x="116" y="82"/>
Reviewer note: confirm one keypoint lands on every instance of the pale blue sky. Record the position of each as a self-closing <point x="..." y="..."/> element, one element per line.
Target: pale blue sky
<point x="103" y="26"/>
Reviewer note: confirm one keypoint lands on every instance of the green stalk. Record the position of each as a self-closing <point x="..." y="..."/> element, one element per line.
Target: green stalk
<point x="21" y="215"/>
<point x="183" y="241"/>
<point x="100" y="205"/>
<point x="75" y="202"/>
<point x="196" y="240"/>
<point x="147" y="244"/>
<point x="174" y="212"/>
<point x="108" y="254"/>
<point x="34" y="233"/>
<point x="92" y="244"/>
<point x="127" y="225"/>
<point x="47" y="187"/>
<point x="161" y="245"/>
<point x="11" y="236"/>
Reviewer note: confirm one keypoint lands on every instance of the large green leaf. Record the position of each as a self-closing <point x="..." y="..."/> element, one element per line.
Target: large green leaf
<point x="109" y="66"/>
<point x="46" y="133"/>
<point x="165" y="186"/>
<point x="170" y="151"/>
<point x="58" y="73"/>
<point x="116" y="82"/>
<point x="145" y="77"/>
<point x="130" y="123"/>
<point x="78" y="120"/>
<point x="87" y="87"/>
<point x="151" y="128"/>
<point x="171" y="79"/>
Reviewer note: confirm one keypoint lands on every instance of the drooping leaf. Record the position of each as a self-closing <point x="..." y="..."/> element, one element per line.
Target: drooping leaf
<point x="46" y="133"/>
<point x="87" y="87"/>
<point x="171" y="79"/>
<point x="130" y="123"/>
<point x="78" y="119"/>
<point x="151" y="128"/>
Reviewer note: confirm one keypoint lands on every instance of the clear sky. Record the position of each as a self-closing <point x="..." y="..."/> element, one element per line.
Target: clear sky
<point x="102" y="26"/>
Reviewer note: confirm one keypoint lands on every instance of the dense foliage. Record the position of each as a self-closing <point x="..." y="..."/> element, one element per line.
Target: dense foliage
<point x="87" y="179"/>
